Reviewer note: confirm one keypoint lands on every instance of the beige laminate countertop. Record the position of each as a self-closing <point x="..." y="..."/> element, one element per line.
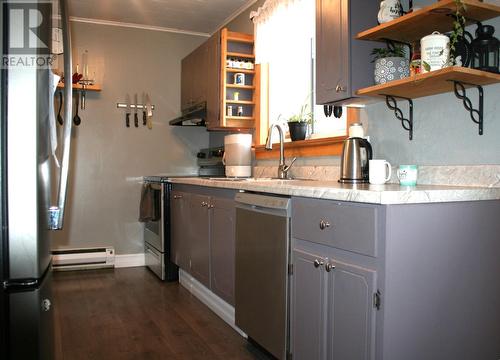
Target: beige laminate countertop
<point x="332" y="190"/>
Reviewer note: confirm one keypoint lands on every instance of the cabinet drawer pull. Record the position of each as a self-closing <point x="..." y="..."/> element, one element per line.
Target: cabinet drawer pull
<point x="339" y="88"/>
<point x="203" y="204"/>
<point x="177" y="196"/>
<point x="318" y="263"/>
<point x="323" y="224"/>
<point x="329" y="267"/>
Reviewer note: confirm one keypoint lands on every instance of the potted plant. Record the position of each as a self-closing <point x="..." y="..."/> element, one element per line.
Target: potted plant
<point x="298" y="123"/>
<point x="390" y="64"/>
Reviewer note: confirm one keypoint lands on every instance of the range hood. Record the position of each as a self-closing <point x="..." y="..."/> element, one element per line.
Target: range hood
<point x="192" y="116"/>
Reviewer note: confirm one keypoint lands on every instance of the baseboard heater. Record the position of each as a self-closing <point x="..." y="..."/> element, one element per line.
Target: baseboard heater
<point x="83" y="258"/>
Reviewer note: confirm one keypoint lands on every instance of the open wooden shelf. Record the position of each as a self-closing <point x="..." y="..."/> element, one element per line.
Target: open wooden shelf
<point x="240" y="118"/>
<point x="240" y="55"/>
<point x="412" y="27"/>
<point x="237" y="86"/>
<point x="80" y="87"/>
<point x="240" y="102"/>
<point x="236" y="70"/>
<point x="239" y="37"/>
<point x="431" y="83"/>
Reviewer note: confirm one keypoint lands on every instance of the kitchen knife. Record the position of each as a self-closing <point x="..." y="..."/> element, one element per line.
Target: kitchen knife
<point x="136" y="117"/>
<point x="149" y="112"/>
<point x="144" y="116"/>
<point x="127" y="111"/>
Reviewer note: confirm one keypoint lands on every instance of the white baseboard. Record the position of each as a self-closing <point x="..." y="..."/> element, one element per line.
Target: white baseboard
<point x="130" y="260"/>
<point x="206" y="296"/>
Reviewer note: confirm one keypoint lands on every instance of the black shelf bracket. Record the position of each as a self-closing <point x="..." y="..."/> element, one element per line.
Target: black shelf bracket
<point x="406" y="123"/>
<point x="475" y="114"/>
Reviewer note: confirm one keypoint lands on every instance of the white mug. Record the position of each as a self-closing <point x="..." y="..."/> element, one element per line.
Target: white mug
<point x="380" y="172"/>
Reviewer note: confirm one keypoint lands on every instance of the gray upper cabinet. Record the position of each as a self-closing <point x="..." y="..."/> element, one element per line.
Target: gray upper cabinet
<point x="213" y="81"/>
<point x="194" y="76"/>
<point x="343" y="63"/>
<point x="222" y="248"/>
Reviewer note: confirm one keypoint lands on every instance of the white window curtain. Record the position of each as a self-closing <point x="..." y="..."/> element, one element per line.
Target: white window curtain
<point x="284" y="33"/>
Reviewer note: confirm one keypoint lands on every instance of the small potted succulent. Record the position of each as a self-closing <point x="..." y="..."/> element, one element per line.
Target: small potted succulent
<point x="298" y="123"/>
<point x="390" y="64"/>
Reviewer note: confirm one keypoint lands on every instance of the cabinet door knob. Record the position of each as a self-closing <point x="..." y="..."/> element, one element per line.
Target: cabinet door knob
<point x="211" y="206"/>
<point x="318" y="263"/>
<point x="339" y="88"/>
<point x="329" y="267"/>
<point x="323" y="224"/>
<point x="203" y="204"/>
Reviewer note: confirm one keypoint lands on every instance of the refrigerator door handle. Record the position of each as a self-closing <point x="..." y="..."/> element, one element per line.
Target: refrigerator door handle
<point x="56" y="213"/>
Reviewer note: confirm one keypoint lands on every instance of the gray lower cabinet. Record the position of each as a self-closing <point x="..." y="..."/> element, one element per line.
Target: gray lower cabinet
<point x="333" y="315"/>
<point x="199" y="237"/>
<point x="203" y="239"/>
<point x="309" y="306"/>
<point x="179" y="246"/>
<point x="392" y="282"/>
<point x="222" y="244"/>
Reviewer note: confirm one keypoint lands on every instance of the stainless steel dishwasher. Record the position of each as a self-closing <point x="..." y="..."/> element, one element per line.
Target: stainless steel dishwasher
<point x="261" y="278"/>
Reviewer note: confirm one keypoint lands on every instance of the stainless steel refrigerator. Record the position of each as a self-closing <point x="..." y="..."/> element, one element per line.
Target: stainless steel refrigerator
<point x="26" y="166"/>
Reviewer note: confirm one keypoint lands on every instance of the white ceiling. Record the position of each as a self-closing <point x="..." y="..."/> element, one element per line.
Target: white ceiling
<point x="203" y="16"/>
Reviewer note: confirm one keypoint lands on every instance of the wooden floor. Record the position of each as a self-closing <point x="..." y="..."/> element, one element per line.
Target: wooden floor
<point x="130" y="314"/>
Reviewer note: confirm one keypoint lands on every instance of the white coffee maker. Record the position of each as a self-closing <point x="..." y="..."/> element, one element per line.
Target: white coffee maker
<point x="238" y="155"/>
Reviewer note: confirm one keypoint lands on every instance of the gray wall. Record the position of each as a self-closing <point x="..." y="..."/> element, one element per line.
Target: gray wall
<point x="443" y="130"/>
<point x="110" y="159"/>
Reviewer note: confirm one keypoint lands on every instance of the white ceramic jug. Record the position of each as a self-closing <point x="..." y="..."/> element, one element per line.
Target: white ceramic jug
<point x="389" y="10"/>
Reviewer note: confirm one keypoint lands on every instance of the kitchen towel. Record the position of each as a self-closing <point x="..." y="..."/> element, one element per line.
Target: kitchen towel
<point x="147" y="208"/>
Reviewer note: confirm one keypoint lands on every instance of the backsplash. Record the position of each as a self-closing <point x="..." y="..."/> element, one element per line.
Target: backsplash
<point x="456" y="175"/>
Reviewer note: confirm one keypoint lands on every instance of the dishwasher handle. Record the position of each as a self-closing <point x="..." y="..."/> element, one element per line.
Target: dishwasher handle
<point x="263" y="201"/>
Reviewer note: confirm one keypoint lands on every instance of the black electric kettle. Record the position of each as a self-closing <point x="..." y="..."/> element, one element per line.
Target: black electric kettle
<point x="354" y="161"/>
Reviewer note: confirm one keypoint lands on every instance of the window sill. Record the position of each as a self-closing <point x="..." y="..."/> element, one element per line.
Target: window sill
<point x="303" y="148"/>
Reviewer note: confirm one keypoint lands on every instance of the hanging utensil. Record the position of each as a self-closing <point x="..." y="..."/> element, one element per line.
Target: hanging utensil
<point x="83" y="96"/>
<point x="59" y="117"/>
<point x="136" y="117"/>
<point x="127" y="111"/>
<point x="144" y="114"/>
<point x="149" y="112"/>
<point x="76" y="118"/>
<point x="337" y="111"/>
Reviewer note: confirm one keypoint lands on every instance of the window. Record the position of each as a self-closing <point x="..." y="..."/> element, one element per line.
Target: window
<point x="285" y="42"/>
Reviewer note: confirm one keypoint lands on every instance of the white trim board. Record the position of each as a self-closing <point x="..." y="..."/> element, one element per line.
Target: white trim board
<point x="130" y="260"/>
<point x="212" y="301"/>
<point x="136" y="26"/>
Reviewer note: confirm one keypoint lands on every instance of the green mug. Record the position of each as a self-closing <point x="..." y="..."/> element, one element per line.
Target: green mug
<point x="407" y="175"/>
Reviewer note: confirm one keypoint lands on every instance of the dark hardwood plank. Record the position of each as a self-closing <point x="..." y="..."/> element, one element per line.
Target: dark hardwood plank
<point x="130" y="314"/>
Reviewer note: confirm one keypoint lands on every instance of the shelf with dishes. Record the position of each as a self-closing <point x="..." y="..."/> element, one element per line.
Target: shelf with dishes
<point x="415" y="25"/>
<point x="239" y="80"/>
<point x="92" y="87"/>
<point x="239" y="70"/>
<point x="433" y="73"/>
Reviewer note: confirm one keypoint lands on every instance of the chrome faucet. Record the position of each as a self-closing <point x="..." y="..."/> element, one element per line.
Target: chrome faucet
<point x="282" y="168"/>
